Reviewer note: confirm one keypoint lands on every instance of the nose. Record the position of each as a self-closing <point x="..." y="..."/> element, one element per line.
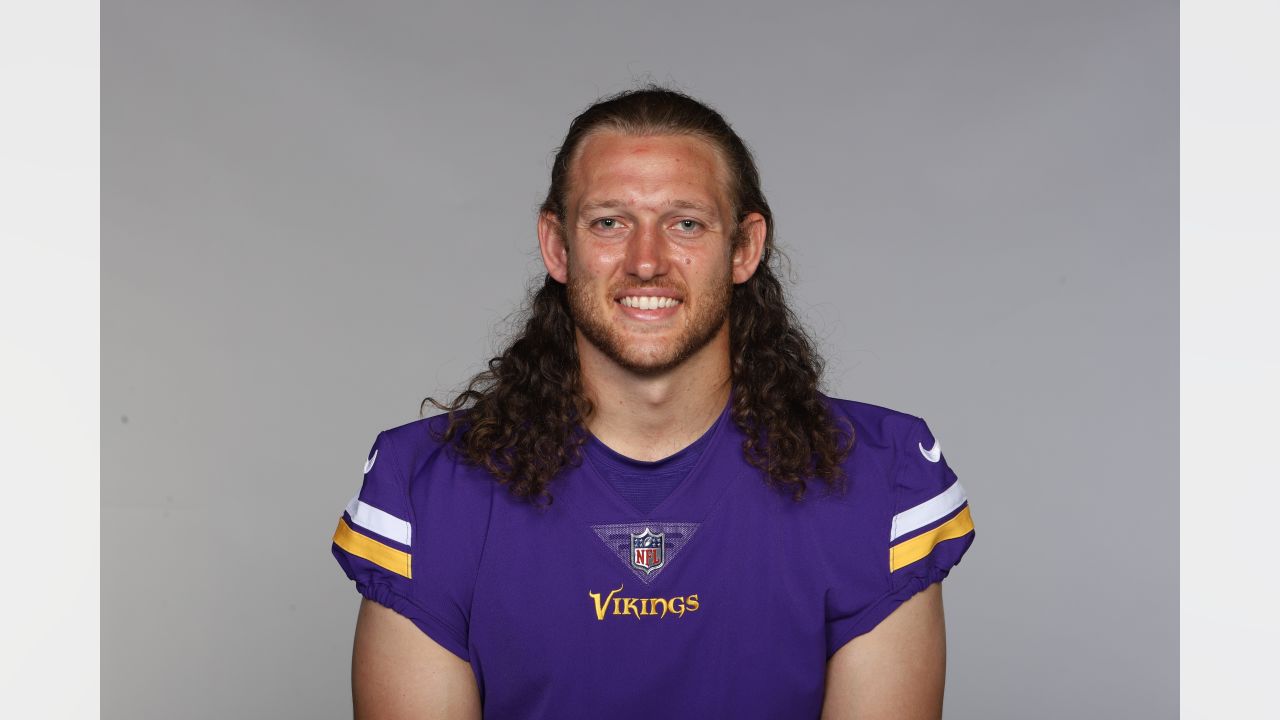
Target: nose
<point x="646" y="253"/>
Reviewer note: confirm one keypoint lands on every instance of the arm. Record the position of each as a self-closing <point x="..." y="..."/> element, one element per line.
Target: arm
<point x="398" y="672"/>
<point x="895" y="671"/>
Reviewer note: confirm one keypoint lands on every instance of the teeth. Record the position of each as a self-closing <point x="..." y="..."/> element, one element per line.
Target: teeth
<point x="648" y="302"/>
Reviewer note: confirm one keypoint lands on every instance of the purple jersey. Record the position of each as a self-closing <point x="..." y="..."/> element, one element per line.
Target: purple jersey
<point x="725" y="600"/>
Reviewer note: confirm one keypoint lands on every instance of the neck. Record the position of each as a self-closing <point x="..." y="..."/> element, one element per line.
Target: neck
<point x="652" y="416"/>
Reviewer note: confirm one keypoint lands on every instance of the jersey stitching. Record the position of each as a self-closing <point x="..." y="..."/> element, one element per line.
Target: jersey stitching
<point x="418" y="534"/>
<point x="855" y="628"/>
<point x="426" y="612"/>
<point x="408" y="501"/>
<point x="898" y="466"/>
<point x="484" y="548"/>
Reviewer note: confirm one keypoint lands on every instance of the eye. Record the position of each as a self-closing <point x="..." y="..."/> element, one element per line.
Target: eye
<point x="607" y="226"/>
<point x="688" y="225"/>
<point x="607" y="223"/>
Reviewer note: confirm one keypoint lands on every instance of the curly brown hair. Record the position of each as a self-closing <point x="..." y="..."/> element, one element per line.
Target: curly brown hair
<point x="522" y="419"/>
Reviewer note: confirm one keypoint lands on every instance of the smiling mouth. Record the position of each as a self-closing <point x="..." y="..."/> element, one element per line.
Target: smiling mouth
<point x="648" y="302"/>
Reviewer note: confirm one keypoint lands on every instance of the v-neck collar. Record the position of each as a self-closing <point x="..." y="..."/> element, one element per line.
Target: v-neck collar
<point x="593" y="496"/>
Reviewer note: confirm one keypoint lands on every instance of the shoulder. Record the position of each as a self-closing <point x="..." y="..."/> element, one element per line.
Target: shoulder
<point x="417" y="462"/>
<point x="413" y="446"/>
<point x="883" y="438"/>
<point x="877" y="426"/>
<point x="902" y="480"/>
<point x="417" y="492"/>
<point x="901" y="443"/>
<point x="906" y="518"/>
<point x="412" y="537"/>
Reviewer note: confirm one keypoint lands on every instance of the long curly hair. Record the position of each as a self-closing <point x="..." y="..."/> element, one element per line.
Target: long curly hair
<point x="522" y="419"/>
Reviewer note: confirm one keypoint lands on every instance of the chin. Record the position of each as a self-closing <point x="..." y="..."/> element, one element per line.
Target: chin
<point x="650" y="360"/>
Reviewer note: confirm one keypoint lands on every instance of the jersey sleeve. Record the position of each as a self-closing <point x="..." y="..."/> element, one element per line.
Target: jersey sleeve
<point x="409" y="542"/>
<point x="926" y="528"/>
<point x="931" y="527"/>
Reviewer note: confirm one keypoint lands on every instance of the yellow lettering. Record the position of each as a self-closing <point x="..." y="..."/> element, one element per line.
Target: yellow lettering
<point x="677" y="606"/>
<point x="665" y="603"/>
<point x="602" y="606"/>
<point x="629" y="607"/>
<point x="642" y="607"/>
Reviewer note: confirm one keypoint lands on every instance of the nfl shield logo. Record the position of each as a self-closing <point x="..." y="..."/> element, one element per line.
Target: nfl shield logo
<point x="648" y="551"/>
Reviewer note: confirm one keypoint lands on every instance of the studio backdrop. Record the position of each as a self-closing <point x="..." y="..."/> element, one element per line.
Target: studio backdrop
<point x="315" y="214"/>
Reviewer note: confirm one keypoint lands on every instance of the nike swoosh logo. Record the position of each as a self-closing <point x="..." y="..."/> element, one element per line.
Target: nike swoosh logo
<point x="933" y="454"/>
<point x="368" y="464"/>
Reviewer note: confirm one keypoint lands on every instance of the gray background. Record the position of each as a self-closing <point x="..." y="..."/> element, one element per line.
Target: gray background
<point x="314" y="214"/>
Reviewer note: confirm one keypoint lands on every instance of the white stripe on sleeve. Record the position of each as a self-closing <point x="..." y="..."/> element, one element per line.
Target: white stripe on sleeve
<point x="935" y="508"/>
<point x="379" y="521"/>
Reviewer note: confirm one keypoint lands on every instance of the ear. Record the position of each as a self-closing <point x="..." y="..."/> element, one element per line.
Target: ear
<point x="747" y="255"/>
<point x="554" y="246"/>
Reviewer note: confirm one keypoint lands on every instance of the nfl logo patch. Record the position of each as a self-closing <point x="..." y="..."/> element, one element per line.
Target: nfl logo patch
<point x="648" y="551"/>
<point x="643" y="551"/>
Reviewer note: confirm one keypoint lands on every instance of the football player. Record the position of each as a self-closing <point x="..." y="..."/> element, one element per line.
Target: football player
<point x="645" y="507"/>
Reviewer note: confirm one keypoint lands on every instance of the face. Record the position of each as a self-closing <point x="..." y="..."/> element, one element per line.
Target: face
<point x="646" y="248"/>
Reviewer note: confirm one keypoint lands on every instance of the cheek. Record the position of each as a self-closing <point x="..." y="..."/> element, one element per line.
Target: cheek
<point x="706" y="264"/>
<point x="603" y="260"/>
<point x="592" y="265"/>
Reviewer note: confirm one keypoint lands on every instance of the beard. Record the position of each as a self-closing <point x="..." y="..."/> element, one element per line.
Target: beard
<point x="709" y="311"/>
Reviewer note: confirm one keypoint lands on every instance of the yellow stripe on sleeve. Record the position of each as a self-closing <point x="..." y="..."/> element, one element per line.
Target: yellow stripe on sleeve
<point x="909" y="551"/>
<point x="397" y="561"/>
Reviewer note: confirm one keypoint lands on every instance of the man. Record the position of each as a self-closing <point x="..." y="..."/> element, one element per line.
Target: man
<point x="645" y="507"/>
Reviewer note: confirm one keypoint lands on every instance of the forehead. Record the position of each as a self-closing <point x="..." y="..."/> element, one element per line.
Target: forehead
<point x="648" y="168"/>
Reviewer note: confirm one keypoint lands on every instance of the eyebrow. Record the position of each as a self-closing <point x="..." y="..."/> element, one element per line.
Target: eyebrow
<point x="611" y="204"/>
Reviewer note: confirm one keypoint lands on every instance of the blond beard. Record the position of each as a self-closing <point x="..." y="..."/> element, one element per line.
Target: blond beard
<point x="710" y="313"/>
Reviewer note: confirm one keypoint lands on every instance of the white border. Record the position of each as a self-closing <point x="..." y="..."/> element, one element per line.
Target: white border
<point x="49" y="309"/>
<point x="49" y="185"/>
<point x="1230" y="358"/>
<point x="935" y="508"/>
<point x="379" y="521"/>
